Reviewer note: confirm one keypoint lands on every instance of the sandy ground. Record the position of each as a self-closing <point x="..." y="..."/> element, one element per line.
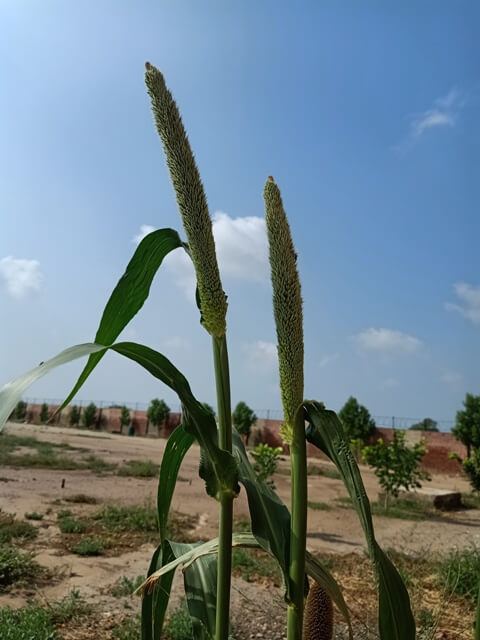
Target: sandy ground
<point x="336" y="530"/>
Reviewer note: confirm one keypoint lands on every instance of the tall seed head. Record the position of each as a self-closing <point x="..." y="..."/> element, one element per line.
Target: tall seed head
<point x="191" y="200"/>
<point x="318" y="615"/>
<point x="287" y="302"/>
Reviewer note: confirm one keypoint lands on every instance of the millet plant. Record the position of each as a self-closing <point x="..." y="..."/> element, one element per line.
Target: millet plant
<point x="224" y="464"/>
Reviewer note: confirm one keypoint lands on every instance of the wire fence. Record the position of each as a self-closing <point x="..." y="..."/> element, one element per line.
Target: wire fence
<point x="392" y="422"/>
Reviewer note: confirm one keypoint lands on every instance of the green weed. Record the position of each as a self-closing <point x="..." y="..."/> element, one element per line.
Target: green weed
<point x="459" y="571"/>
<point x="28" y="623"/>
<point x="34" y="516"/>
<point x="141" y="518"/>
<point x="126" y="586"/>
<point x="179" y="625"/>
<point x="139" y="469"/>
<point x="128" y="630"/>
<point x="81" y="498"/>
<point x="70" y="525"/>
<point x="89" y="547"/>
<point x="16" y="566"/>
<point x="18" y="530"/>
<point x="254" y="564"/>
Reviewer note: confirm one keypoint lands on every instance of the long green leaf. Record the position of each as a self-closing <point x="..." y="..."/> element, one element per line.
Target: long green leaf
<point x="12" y="392"/>
<point x="177" y="446"/>
<point x="325" y="431"/>
<point x="130" y="293"/>
<point x="200" y="581"/>
<point x="196" y="419"/>
<point x="269" y="515"/>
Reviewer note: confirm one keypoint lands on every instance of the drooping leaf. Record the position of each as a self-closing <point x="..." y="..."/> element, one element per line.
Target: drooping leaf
<point x="155" y="602"/>
<point x="196" y="419"/>
<point x="269" y="515"/>
<point x="325" y="431"/>
<point x="200" y="581"/>
<point x="130" y="293"/>
<point x="12" y="392"/>
<point x="177" y="446"/>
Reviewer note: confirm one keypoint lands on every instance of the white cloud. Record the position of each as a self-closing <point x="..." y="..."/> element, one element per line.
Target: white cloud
<point x="242" y="246"/>
<point x="145" y="229"/>
<point x="390" y="383"/>
<point x="327" y="359"/>
<point x="452" y="379"/>
<point x="443" y="113"/>
<point x="262" y="356"/>
<point x="469" y="301"/>
<point x="242" y="251"/>
<point x="387" y="342"/>
<point x="21" y="276"/>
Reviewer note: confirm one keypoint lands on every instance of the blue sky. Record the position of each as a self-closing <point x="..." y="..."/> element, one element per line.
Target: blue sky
<point x="365" y="113"/>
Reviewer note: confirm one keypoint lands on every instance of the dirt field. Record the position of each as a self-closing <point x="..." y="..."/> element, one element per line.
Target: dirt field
<point x="333" y="530"/>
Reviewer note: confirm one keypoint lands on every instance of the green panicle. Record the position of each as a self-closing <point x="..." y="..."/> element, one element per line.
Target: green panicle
<point x="287" y="302"/>
<point x="318" y="616"/>
<point x="191" y="200"/>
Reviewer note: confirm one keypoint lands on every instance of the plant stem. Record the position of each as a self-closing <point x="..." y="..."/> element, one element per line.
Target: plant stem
<point x="298" y="532"/>
<point x="222" y="380"/>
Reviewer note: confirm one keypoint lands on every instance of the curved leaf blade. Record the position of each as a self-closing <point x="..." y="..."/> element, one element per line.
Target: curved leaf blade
<point x="325" y="431"/>
<point x="196" y="419"/>
<point x="12" y="392"/>
<point x="130" y="293"/>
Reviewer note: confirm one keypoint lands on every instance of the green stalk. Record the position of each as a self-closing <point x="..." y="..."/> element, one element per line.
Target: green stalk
<point x="298" y="462"/>
<point x="222" y="381"/>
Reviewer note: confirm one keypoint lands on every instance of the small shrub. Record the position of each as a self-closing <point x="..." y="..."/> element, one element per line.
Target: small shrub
<point x="89" y="415"/>
<point x="128" y="630"/>
<point x="64" y="513"/>
<point x="125" y="418"/>
<point x="69" y="525"/>
<point x="266" y="461"/>
<point x="27" y="623"/>
<point x="20" y="411"/>
<point x="141" y="518"/>
<point x="460" y="572"/>
<point x="81" y="498"/>
<point x="15" y="566"/>
<point x="179" y="625"/>
<point x="139" y="469"/>
<point x="74" y="416"/>
<point x="98" y="465"/>
<point x="18" y="530"/>
<point x="34" y="516"/>
<point x="126" y="586"/>
<point x="89" y="547"/>
<point x="70" y="607"/>
<point x="44" y="413"/>
<point x="471" y="467"/>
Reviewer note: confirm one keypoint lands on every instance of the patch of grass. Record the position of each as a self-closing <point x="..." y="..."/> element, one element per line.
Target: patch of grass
<point x="128" y="630"/>
<point x="471" y="500"/>
<point x="34" y="515"/>
<point x="41" y="460"/>
<point x="89" y="547"/>
<point x="16" y="566"/>
<point x="28" y="623"/>
<point x="81" y="498"/>
<point x="139" y="469"/>
<point x="70" y="525"/>
<point x="179" y="625"/>
<point x="126" y="586"/>
<point x="326" y="472"/>
<point x="459" y="571"/>
<point x="242" y="525"/>
<point x="255" y="565"/>
<point x="319" y="506"/>
<point x="140" y="518"/>
<point x="98" y="465"/>
<point x="344" y="501"/>
<point x="12" y="529"/>
<point x="403" y="508"/>
<point x="70" y="607"/>
<point x="65" y="513"/>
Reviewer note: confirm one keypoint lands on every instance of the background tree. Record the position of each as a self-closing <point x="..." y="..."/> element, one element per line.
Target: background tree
<point x="209" y="408"/>
<point x="396" y="464"/>
<point x="20" y="411"/>
<point x="243" y="418"/>
<point x="467" y="427"/>
<point x="266" y="462"/>
<point x="427" y="424"/>
<point x="471" y="467"/>
<point x="125" y="417"/>
<point x="356" y="420"/>
<point x="44" y="413"/>
<point x="89" y="415"/>
<point x="158" y="412"/>
<point x="74" y="416"/>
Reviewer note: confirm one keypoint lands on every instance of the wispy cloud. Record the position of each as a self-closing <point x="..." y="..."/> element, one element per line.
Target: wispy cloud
<point x="262" y="356"/>
<point x="327" y="359"/>
<point x="145" y="229"/>
<point x="444" y="112"/>
<point x="242" y="251"/>
<point x="468" y="302"/>
<point x="21" y="276"/>
<point x="387" y="342"/>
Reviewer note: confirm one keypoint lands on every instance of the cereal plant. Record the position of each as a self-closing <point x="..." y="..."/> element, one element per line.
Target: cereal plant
<point x="224" y="464"/>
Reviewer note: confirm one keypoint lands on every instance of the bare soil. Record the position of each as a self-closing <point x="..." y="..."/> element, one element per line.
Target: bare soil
<point x="333" y="531"/>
